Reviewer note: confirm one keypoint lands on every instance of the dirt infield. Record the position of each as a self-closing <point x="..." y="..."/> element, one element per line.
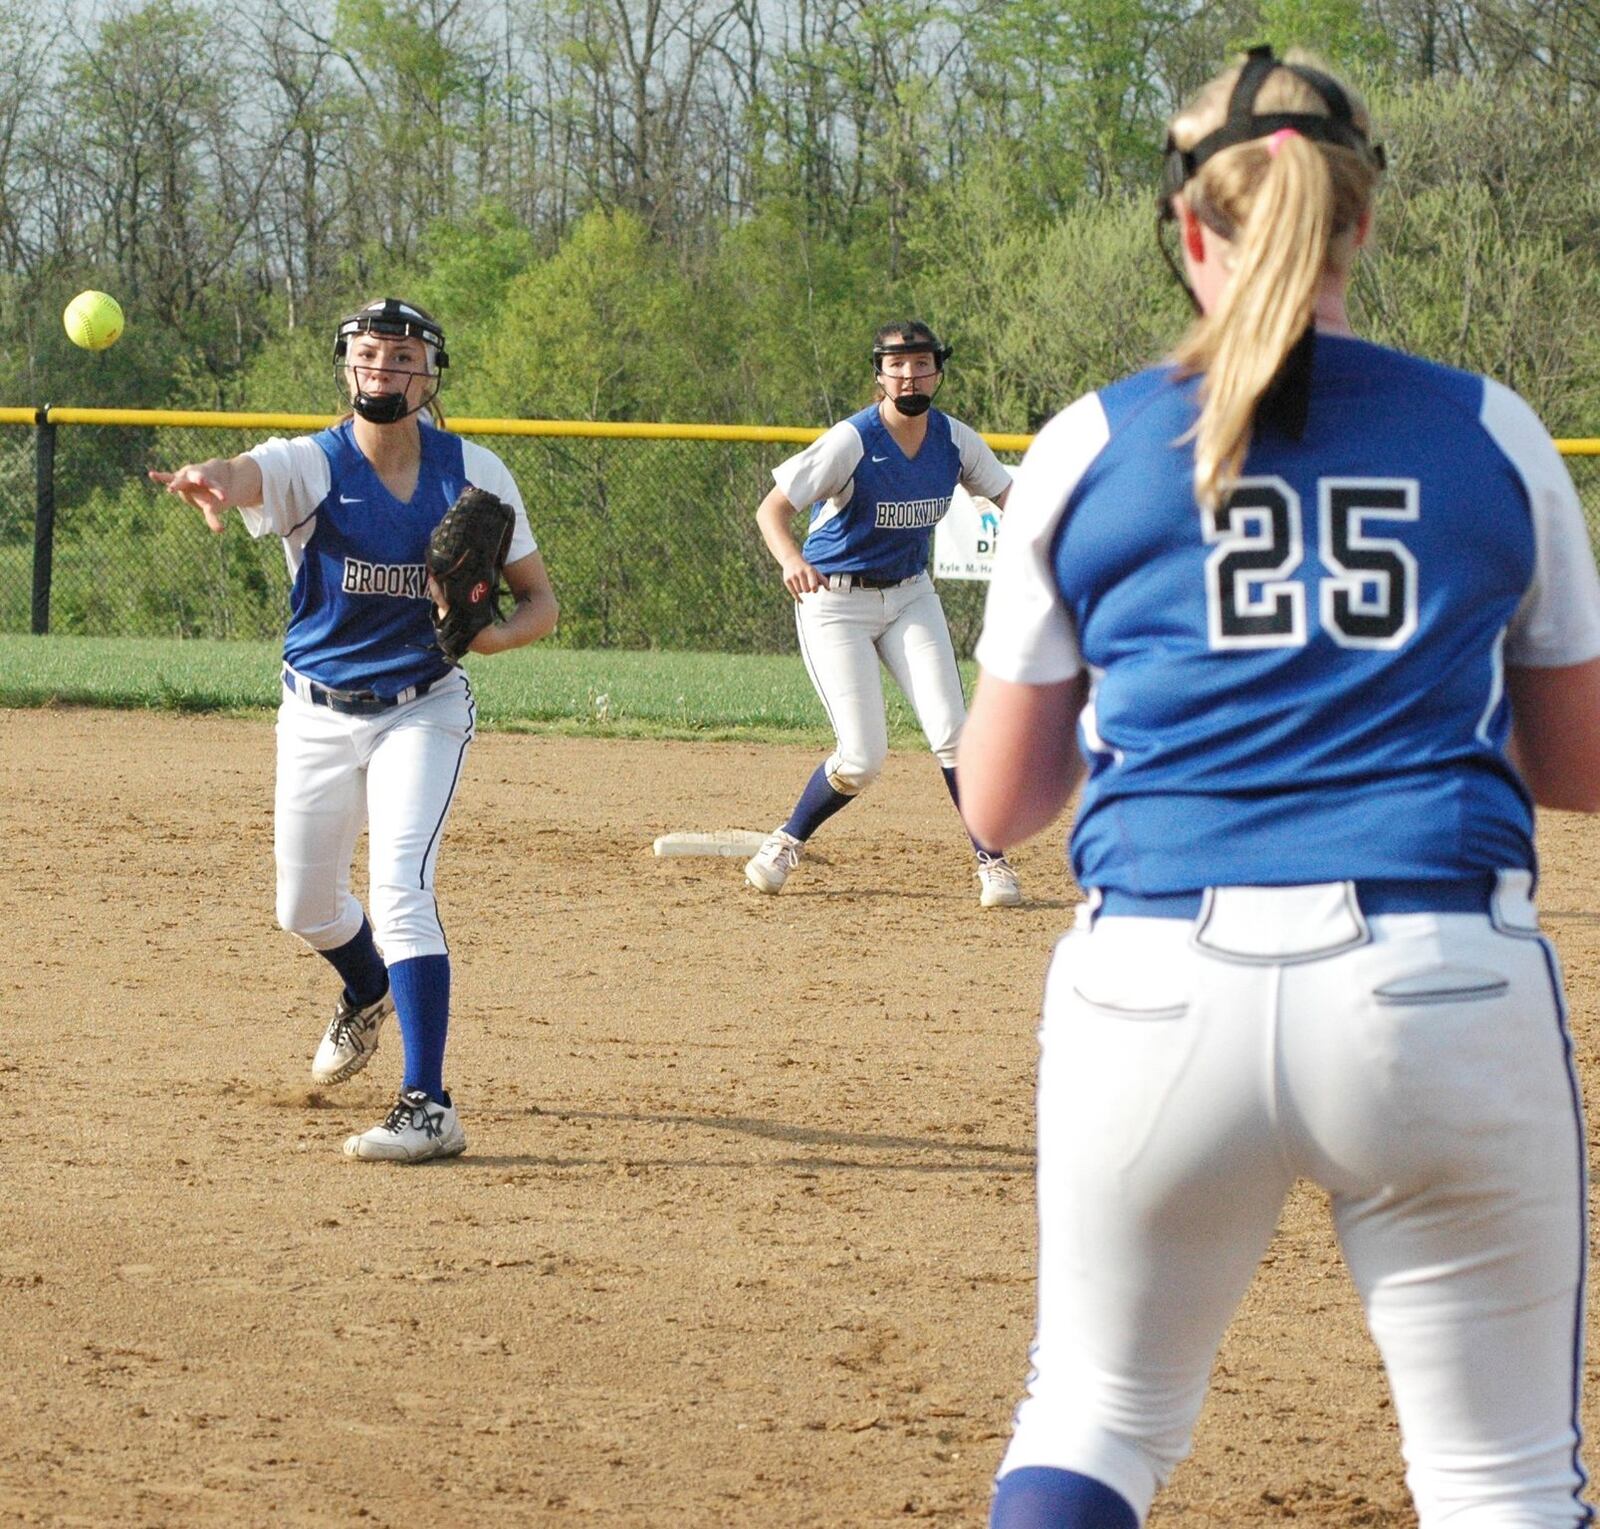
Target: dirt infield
<point x="744" y="1235"/>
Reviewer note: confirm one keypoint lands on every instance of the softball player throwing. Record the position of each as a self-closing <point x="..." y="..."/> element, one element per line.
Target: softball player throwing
<point x="374" y="723"/>
<point x="1324" y="617"/>
<point x="877" y="484"/>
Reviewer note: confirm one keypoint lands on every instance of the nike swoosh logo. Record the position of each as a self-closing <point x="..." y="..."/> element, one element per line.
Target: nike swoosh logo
<point x="349" y="498"/>
<point x="880" y="459"/>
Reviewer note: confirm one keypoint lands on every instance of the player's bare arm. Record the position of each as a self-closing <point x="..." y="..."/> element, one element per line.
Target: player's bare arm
<point x="215" y="485"/>
<point x="1018" y="760"/>
<point x="1555" y="737"/>
<point x="775" y="521"/>
<point x="533" y="612"/>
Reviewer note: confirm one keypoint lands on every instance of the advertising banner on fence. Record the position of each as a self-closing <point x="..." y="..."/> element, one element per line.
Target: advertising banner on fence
<point x="964" y="541"/>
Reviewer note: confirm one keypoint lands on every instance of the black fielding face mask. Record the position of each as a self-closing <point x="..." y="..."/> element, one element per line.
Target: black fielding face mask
<point x="380" y="408"/>
<point x="913" y="404"/>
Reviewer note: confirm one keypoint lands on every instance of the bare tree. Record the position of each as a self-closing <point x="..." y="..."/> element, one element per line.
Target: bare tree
<point x="160" y="171"/>
<point x="309" y="104"/>
<point x="633" y="98"/>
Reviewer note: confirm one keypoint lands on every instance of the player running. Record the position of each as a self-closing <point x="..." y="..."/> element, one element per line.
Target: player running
<point x="877" y="484"/>
<point x="1324" y="616"/>
<point x="374" y="723"/>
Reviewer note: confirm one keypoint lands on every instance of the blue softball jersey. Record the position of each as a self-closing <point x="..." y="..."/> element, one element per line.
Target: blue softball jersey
<point x="873" y="508"/>
<point x="1307" y="683"/>
<point x="360" y="617"/>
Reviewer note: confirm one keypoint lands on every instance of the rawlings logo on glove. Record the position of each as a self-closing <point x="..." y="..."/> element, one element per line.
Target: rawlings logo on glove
<point x="466" y="556"/>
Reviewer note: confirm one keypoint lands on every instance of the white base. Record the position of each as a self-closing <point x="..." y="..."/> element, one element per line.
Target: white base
<point x="730" y="843"/>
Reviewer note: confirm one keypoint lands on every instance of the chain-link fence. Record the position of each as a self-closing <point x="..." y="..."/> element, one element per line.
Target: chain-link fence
<point x="650" y="542"/>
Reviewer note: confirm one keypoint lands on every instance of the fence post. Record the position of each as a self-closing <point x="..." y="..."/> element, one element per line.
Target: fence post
<point x="44" y="517"/>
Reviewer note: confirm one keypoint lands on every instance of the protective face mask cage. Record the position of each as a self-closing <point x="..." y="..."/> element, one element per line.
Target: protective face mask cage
<point x="930" y="346"/>
<point x="392" y="320"/>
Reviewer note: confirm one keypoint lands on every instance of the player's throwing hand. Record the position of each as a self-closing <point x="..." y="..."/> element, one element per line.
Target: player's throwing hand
<point x="212" y="487"/>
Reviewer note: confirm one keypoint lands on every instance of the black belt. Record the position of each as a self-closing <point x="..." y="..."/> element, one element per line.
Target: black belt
<point x="353" y="703"/>
<point x="868" y="581"/>
<point x="1372" y="896"/>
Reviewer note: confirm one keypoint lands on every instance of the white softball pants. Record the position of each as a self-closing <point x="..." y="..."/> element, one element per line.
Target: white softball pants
<point x="394" y="773"/>
<point x="844" y="634"/>
<point x="1424" y="1079"/>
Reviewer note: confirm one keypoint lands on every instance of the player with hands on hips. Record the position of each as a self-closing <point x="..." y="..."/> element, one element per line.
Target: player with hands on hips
<point x="877" y="484"/>
<point x="375" y="719"/>
<point x="1320" y="620"/>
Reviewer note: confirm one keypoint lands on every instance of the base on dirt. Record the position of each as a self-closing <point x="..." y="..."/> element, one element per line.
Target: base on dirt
<point x="727" y="842"/>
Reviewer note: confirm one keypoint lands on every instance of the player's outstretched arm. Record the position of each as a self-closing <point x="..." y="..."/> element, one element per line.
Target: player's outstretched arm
<point x="775" y="521"/>
<point x="1555" y="733"/>
<point x="215" y="485"/>
<point x="533" y="613"/>
<point x="1018" y="761"/>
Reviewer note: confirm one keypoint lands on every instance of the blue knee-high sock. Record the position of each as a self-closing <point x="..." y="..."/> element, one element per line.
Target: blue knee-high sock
<point x="366" y="979"/>
<point x="818" y="802"/>
<point x="422" y="1005"/>
<point x="1042" y="1497"/>
<point x="955" y="796"/>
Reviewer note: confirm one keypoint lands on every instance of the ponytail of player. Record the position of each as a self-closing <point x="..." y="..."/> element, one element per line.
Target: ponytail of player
<point x="1286" y="175"/>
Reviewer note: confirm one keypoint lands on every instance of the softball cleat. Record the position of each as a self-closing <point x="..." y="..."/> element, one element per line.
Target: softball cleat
<point x="998" y="886"/>
<point x="417" y="1129"/>
<point x="351" y="1039"/>
<point x="769" y="867"/>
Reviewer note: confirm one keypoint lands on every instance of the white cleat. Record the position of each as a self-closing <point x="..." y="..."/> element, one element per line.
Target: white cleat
<point x="998" y="886"/>
<point x="351" y="1040"/>
<point x="769" y="867"/>
<point x="417" y="1128"/>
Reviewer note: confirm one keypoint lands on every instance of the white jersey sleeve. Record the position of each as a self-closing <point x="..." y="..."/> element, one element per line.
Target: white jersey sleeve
<point x="981" y="472"/>
<point x="1558" y="621"/>
<point x="824" y="470"/>
<point x="295" y="479"/>
<point x="485" y="470"/>
<point x="1028" y="636"/>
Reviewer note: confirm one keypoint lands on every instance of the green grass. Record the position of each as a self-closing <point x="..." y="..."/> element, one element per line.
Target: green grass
<point x="593" y="693"/>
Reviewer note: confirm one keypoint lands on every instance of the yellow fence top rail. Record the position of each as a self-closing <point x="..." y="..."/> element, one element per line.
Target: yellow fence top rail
<point x="1584" y="446"/>
<point x="592" y="429"/>
<point x="619" y="430"/>
<point x="203" y="418"/>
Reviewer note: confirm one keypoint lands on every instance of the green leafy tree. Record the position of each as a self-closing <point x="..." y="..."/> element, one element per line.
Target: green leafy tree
<point x="420" y="67"/>
<point x="586" y="333"/>
<point x="791" y="314"/>
<point x="469" y="264"/>
<point x="1344" y="33"/>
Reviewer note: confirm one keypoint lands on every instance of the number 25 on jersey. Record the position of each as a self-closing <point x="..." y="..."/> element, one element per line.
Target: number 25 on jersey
<point x="1367" y="595"/>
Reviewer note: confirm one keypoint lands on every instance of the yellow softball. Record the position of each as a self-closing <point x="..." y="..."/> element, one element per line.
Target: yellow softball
<point x="93" y="320"/>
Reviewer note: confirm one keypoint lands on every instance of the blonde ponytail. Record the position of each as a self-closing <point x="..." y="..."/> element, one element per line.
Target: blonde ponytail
<point x="1278" y="260"/>
<point x="1289" y="207"/>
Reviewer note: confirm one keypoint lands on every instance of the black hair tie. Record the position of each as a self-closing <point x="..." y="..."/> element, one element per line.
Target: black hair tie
<point x="1286" y="405"/>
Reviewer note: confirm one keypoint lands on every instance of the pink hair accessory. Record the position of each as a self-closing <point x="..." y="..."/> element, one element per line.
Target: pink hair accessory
<point x="1279" y="138"/>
